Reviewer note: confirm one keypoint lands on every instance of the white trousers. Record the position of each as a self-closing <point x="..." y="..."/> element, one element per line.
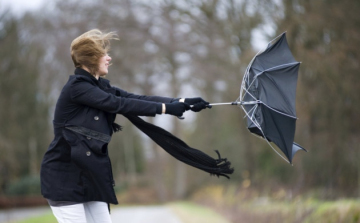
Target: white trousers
<point x="89" y="212"/>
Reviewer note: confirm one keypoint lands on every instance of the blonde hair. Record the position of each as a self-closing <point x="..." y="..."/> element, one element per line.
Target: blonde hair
<point x="87" y="49"/>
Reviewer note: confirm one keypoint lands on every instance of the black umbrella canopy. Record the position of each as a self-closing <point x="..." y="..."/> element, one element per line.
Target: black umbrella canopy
<point x="269" y="87"/>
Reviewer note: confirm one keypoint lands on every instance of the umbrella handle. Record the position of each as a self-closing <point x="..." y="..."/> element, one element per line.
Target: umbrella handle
<point x="210" y="105"/>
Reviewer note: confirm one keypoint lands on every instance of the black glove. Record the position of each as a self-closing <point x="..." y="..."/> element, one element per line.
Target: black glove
<point x="199" y="106"/>
<point x="176" y="108"/>
<point x="192" y="101"/>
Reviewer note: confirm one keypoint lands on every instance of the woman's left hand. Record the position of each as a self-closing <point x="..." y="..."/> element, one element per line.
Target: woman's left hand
<point x="193" y="101"/>
<point x="197" y="104"/>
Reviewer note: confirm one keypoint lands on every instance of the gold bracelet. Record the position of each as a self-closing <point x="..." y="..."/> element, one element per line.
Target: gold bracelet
<point x="163" y="108"/>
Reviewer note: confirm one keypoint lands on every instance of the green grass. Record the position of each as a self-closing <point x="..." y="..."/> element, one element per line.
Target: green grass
<point x="306" y="211"/>
<point x="46" y="218"/>
<point x="335" y="211"/>
<point x="192" y="213"/>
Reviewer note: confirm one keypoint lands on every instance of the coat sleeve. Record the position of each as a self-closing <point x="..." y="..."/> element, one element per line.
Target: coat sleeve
<point x="126" y="94"/>
<point x="85" y="93"/>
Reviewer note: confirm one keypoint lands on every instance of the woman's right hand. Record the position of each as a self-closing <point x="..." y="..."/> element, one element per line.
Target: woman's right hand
<point x="176" y="108"/>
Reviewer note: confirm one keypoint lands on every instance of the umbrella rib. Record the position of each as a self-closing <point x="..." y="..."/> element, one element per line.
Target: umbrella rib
<point x="252" y="112"/>
<point x="246" y="74"/>
<point x="276" y="151"/>
<point x="258" y="126"/>
<point x="246" y="90"/>
<point x="283" y="95"/>
<point x="275" y="39"/>
<point x="252" y="82"/>
<point x="278" y="111"/>
<point x="258" y="101"/>
<point x="273" y="68"/>
<point x="251" y="117"/>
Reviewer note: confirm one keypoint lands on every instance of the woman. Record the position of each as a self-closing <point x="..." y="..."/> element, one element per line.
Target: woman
<point x="76" y="174"/>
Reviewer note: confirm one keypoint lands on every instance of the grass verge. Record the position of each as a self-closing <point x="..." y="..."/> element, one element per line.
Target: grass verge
<point x="279" y="206"/>
<point x="46" y="218"/>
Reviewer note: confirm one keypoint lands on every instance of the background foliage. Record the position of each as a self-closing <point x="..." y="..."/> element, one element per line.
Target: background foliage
<point x="183" y="49"/>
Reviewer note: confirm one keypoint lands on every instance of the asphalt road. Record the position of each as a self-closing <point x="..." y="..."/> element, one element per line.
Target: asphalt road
<point x="9" y="215"/>
<point x="136" y="214"/>
<point x="148" y="214"/>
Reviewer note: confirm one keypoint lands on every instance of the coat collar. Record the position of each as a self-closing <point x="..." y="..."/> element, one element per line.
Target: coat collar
<point x="102" y="83"/>
<point x="80" y="71"/>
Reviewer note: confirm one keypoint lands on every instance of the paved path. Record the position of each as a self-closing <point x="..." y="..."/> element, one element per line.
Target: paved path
<point x="22" y="213"/>
<point x="141" y="214"/>
<point x="136" y="214"/>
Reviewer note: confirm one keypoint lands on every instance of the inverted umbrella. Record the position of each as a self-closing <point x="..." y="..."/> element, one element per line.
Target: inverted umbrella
<point x="267" y="96"/>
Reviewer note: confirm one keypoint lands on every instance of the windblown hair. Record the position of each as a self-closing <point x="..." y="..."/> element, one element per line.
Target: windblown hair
<point x="87" y="49"/>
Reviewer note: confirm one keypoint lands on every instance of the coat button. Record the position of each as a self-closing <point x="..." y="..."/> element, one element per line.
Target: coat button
<point x="88" y="138"/>
<point x="96" y="118"/>
<point x="88" y="153"/>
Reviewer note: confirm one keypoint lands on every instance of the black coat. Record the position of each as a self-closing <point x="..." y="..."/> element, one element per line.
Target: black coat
<point x="76" y="166"/>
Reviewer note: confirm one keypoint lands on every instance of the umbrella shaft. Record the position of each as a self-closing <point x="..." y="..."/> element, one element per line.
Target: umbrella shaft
<point x="225" y="103"/>
<point x="236" y="103"/>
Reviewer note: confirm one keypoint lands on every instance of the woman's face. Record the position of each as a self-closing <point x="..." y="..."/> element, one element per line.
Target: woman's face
<point x="104" y="65"/>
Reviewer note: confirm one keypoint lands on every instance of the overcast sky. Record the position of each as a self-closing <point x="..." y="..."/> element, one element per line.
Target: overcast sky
<point x="19" y="6"/>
